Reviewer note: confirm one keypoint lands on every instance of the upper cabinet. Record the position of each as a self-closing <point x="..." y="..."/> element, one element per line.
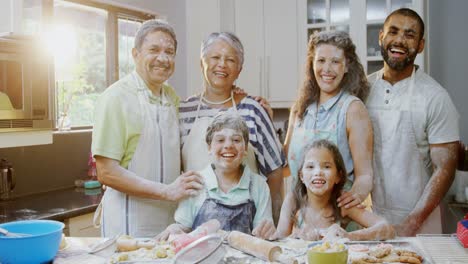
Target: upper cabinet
<point x="10" y="16"/>
<point x="268" y="30"/>
<point x="202" y="18"/>
<point x="26" y="80"/>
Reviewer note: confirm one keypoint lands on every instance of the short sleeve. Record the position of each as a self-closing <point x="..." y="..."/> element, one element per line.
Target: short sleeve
<point x="262" y="199"/>
<point x="267" y="146"/>
<point x="109" y="131"/>
<point x="443" y="119"/>
<point x="186" y="212"/>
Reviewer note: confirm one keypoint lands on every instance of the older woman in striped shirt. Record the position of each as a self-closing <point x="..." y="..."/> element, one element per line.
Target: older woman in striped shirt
<point x="222" y="56"/>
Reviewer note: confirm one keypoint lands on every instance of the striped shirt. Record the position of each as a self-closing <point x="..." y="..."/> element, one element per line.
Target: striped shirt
<point x="262" y="136"/>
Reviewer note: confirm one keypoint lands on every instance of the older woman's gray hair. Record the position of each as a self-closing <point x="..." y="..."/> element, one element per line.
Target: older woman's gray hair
<point x="153" y="25"/>
<point x="229" y="38"/>
<point x="229" y="120"/>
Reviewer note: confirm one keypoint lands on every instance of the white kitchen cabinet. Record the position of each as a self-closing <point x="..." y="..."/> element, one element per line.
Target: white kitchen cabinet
<point x="268" y="31"/>
<point x="202" y="18"/>
<point x="362" y="19"/>
<point x="82" y="226"/>
<point x="11" y="15"/>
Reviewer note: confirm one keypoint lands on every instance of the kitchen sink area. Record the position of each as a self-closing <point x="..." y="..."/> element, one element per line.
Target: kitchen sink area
<point x="53" y="205"/>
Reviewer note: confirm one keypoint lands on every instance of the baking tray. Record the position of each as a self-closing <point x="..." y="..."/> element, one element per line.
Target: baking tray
<point x="396" y="244"/>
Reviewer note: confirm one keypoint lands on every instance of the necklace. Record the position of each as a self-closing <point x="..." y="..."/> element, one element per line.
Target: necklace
<point x="216" y="103"/>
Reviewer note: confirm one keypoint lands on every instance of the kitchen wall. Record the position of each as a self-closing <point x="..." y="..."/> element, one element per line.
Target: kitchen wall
<point x="448" y="56"/>
<point x="50" y="167"/>
<point x="446" y="44"/>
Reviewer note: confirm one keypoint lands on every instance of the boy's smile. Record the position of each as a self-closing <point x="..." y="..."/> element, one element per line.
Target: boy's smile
<point x="227" y="148"/>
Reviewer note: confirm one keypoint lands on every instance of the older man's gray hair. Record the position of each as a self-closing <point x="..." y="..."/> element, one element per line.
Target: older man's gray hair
<point x="153" y="25"/>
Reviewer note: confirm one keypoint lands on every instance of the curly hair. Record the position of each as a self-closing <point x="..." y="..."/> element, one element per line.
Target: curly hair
<point x="300" y="189"/>
<point x="354" y="81"/>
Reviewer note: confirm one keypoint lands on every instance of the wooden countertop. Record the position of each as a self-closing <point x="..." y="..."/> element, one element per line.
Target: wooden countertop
<point x="54" y="205"/>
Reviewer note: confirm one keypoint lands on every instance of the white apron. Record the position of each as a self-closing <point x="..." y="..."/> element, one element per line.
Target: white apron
<point x="195" y="154"/>
<point x="400" y="174"/>
<point x="156" y="158"/>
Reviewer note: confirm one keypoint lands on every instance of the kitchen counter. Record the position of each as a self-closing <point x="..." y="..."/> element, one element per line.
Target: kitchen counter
<point x="54" y="205"/>
<point x="76" y="249"/>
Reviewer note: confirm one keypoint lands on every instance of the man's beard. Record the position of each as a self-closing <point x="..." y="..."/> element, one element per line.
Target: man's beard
<point x="395" y="64"/>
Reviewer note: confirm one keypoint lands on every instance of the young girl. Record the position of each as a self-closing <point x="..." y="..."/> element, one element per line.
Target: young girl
<point x="305" y="212"/>
<point x="238" y="198"/>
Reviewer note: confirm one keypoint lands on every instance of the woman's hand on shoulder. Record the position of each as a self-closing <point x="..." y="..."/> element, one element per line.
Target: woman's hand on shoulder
<point x="262" y="101"/>
<point x="265" y="104"/>
<point x="266" y="230"/>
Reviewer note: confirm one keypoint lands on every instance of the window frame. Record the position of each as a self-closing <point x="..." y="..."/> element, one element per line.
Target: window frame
<point x="114" y="13"/>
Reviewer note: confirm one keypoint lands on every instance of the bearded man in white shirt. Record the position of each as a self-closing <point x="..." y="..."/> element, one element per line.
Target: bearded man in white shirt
<point x="415" y="131"/>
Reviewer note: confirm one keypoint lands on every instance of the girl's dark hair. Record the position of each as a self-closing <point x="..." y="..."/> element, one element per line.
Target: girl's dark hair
<point x="300" y="190"/>
<point x="354" y="81"/>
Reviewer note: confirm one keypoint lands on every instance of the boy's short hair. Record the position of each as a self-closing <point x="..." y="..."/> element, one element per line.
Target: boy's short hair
<point x="227" y="120"/>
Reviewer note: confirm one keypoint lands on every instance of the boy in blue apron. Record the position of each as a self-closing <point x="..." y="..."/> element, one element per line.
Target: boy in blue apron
<point x="238" y="198"/>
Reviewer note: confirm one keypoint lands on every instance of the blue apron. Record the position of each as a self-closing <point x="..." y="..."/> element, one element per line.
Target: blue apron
<point x="238" y="217"/>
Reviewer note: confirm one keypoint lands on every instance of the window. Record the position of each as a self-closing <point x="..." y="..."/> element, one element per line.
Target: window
<point x="91" y="43"/>
<point x="127" y="31"/>
<point x="79" y="47"/>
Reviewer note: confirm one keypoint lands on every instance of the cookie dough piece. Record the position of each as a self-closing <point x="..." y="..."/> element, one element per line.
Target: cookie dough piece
<point x="358" y="248"/>
<point x="380" y="252"/>
<point x="408" y="253"/>
<point x="402" y="259"/>
<point x="366" y="260"/>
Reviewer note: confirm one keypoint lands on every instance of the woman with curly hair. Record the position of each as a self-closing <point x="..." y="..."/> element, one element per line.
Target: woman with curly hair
<point x="330" y="106"/>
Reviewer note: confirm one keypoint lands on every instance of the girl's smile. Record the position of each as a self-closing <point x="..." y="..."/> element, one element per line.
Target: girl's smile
<point x="319" y="173"/>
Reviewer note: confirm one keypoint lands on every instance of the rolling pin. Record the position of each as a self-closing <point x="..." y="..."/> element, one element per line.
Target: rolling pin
<point x="127" y="243"/>
<point x="257" y="247"/>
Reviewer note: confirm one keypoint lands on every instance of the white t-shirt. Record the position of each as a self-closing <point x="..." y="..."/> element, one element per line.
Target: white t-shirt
<point x="434" y="116"/>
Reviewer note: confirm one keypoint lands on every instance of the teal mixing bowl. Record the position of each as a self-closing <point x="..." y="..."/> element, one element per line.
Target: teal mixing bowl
<point x="41" y="246"/>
